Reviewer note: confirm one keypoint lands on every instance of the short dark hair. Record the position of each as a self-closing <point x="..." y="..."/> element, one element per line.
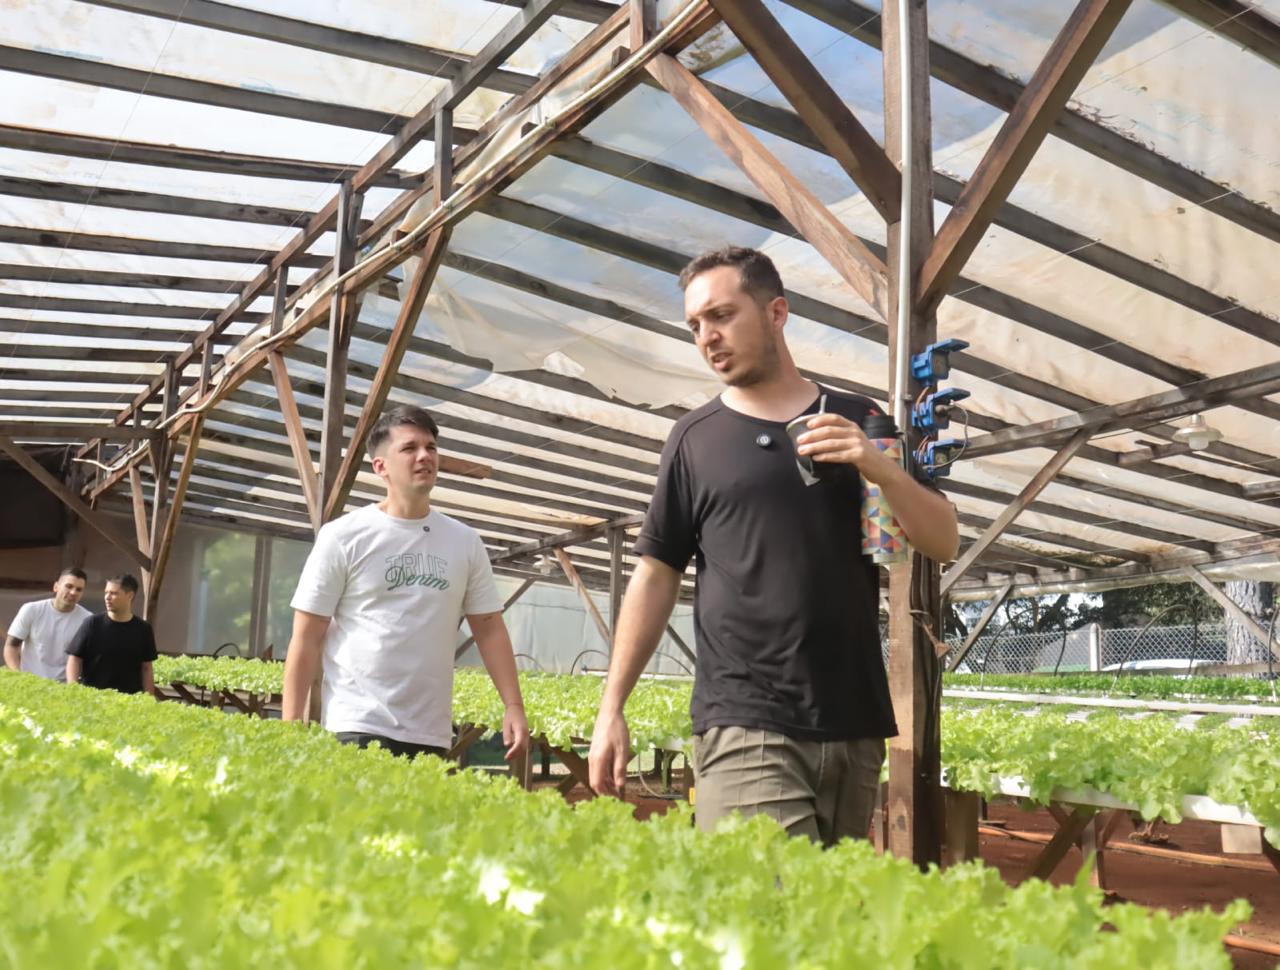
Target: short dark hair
<point x="125" y="581"/>
<point x="75" y="571"/>
<point x="401" y="414"/>
<point x="756" y="271"/>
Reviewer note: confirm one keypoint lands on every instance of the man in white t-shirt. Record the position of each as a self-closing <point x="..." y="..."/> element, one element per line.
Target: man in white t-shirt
<point x="41" y="632"/>
<point x="379" y="602"/>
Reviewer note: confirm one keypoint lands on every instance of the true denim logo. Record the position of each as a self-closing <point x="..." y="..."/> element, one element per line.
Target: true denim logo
<point x="416" y="569"/>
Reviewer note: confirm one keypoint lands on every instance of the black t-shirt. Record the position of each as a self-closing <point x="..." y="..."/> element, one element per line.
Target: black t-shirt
<point x="786" y="608"/>
<point x="114" y="652"/>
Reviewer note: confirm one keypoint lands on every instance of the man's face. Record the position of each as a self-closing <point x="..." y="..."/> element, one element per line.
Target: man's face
<point x="117" y="598"/>
<point x="67" y="592"/>
<point x="736" y="336"/>
<point x="408" y="461"/>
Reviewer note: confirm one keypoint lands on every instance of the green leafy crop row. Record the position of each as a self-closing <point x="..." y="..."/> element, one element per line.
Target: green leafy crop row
<point x="148" y="835"/>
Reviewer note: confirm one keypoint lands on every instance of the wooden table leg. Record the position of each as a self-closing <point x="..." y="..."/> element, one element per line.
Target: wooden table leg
<point x="1068" y="835"/>
<point x="961" y="809"/>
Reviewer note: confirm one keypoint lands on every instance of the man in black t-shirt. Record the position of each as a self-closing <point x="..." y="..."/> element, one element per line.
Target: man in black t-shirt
<point x="114" y="650"/>
<point x="790" y="701"/>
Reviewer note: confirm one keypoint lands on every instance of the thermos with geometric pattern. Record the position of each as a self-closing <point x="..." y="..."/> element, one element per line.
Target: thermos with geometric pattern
<point x="882" y="538"/>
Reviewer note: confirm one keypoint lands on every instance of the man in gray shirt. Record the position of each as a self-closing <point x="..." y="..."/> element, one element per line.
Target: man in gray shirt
<point x="42" y="630"/>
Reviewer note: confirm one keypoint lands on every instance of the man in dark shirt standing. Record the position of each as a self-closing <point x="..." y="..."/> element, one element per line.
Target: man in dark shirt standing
<point x="114" y="650"/>
<point x="790" y="702"/>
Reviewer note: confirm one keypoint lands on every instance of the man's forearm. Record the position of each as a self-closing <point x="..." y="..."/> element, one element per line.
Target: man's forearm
<point x="498" y="657"/>
<point x="300" y="666"/>
<point x="75" y="669"/>
<point x="927" y="518"/>
<point x="13" y="653"/>
<point x="646" y="608"/>
<point x="148" y="679"/>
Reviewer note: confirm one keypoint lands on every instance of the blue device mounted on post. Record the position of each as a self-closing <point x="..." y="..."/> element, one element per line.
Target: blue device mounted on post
<point x="933" y="364"/>
<point x="933" y="414"/>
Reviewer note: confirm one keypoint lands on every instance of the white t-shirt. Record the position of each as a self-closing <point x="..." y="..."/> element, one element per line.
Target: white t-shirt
<point x="396" y="590"/>
<point x="45" y="634"/>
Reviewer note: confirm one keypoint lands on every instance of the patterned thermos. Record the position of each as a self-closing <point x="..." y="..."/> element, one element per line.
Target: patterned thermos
<point x="882" y="537"/>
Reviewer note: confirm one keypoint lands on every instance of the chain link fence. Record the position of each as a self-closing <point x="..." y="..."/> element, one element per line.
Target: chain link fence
<point x="1004" y="651"/>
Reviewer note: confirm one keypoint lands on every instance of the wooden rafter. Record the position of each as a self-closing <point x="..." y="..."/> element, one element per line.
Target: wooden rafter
<point x="1141" y="412"/>
<point x="187" y="159"/>
<point x="980" y="627"/>
<point x="823" y="110"/>
<point x="1070" y="56"/>
<point x="566" y="564"/>
<point x="73" y="502"/>
<point x="846" y="254"/>
<point x="1038" y="483"/>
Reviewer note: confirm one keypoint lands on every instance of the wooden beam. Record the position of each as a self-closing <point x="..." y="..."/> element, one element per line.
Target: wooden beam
<point x="823" y="110"/>
<point x="846" y="254"/>
<point x="344" y="307"/>
<point x="132" y="246"/>
<point x="188" y="159"/>
<point x="1240" y="23"/>
<point x="138" y="201"/>
<point x="914" y="808"/>
<point x="411" y="305"/>
<point x="1167" y="405"/>
<point x="259" y="606"/>
<point x="307" y="473"/>
<point x="1015" y="508"/>
<point x="584" y="594"/>
<point x="55" y="429"/>
<point x="520" y="591"/>
<point x="572" y="538"/>
<point x="980" y="627"/>
<point x="163" y="546"/>
<point x="81" y="70"/>
<point x="73" y="502"/>
<point x="617" y="548"/>
<point x="1070" y="56"/>
<point x="372" y="48"/>
<point x="1232" y="608"/>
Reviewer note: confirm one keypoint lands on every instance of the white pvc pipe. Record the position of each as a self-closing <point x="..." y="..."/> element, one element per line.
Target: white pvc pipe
<point x="902" y="345"/>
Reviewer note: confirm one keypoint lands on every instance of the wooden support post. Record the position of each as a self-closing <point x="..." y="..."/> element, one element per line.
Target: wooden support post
<point x="617" y="545"/>
<point x="643" y="22"/>
<point x="1015" y="508"/>
<point x="260" y="603"/>
<point x="914" y="807"/>
<point x="962" y="810"/>
<point x="1068" y="835"/>
<point x="341" y="313"/>
<point x="847" y="254"/>
<point x="139" y="502"/>
<point x="73" y="501"/>
<point x="577" y="766"/>
<point x="1093" y="842"/>
<point x="297" y="436"/>
<point x="462" y="647"/>
<point x="983" y="622"/>
<point x="162" y="545"/>
<point x="279" y="300"/>
<point x="584" y="594"/>
<point x="206" y="368"/>
<point x="468" y="735"/>
<point x="1232" y="609"/>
